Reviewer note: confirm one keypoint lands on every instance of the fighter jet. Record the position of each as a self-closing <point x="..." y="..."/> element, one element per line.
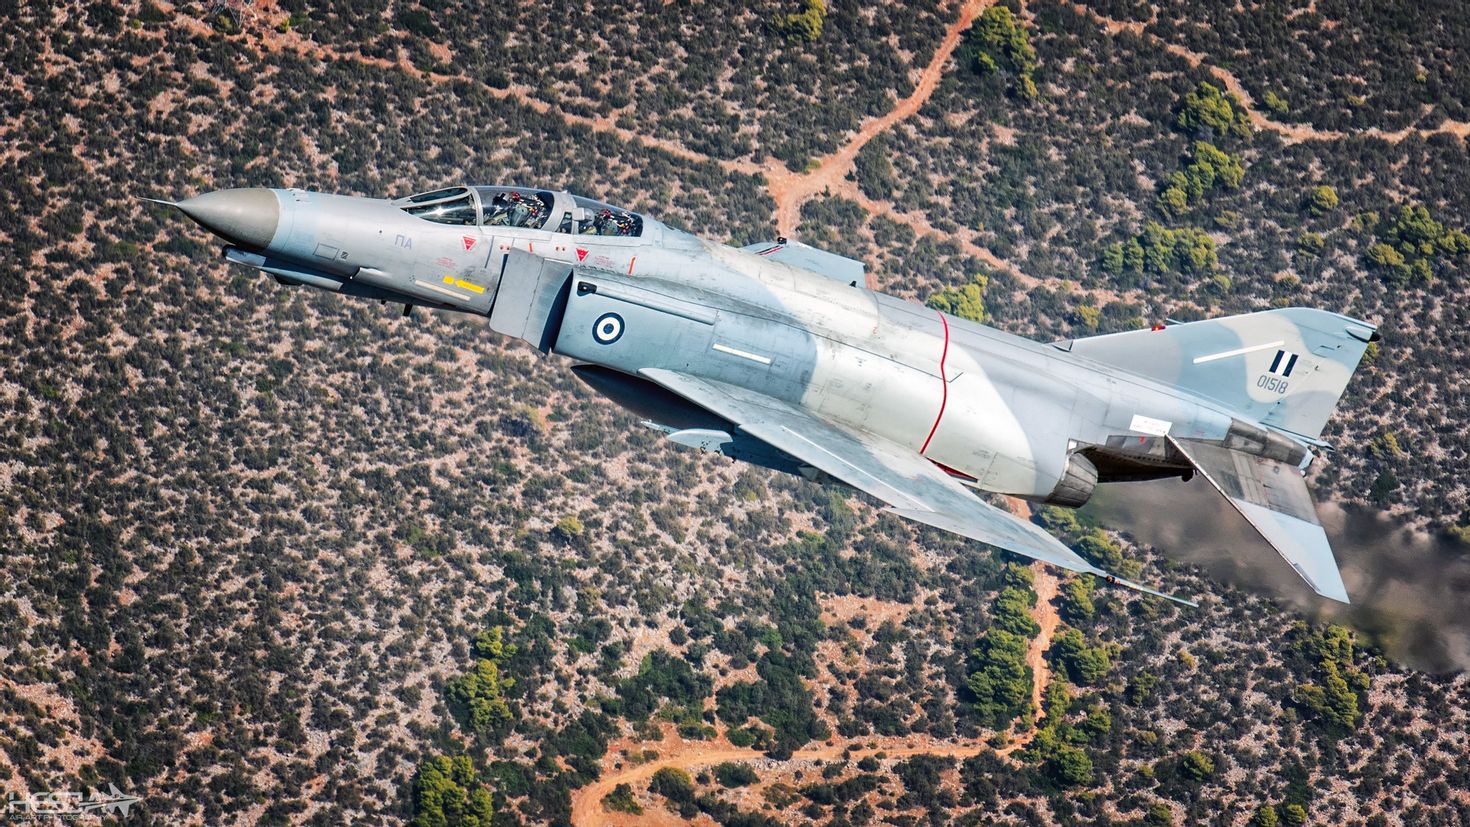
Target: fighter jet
<point x="778" y="354"/>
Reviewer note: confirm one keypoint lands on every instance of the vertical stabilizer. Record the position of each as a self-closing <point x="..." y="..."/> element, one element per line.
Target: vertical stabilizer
<point x="1282" y="368"/>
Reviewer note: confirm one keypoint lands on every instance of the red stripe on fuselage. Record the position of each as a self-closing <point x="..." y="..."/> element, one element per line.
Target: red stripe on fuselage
<point x="943" y="385"/>
<point x="953" y="473"/>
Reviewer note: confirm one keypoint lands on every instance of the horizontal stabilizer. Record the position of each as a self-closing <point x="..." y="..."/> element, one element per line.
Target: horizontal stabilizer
<point x="1273" y="497"/>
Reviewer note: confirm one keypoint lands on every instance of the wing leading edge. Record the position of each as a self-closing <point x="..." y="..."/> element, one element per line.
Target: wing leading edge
<point x="912" y="486"/>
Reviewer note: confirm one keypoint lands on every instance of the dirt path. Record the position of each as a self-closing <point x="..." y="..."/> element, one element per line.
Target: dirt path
<point x="587" y="802"/>
<point x="1290" y="133"/>
<point x="790" y="190"/>
<point x="1046" y="587"/>
<point x="690" y="756"/>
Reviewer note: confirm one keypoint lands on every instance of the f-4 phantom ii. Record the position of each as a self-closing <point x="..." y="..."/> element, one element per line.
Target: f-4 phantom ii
<point x="777" y="354"/>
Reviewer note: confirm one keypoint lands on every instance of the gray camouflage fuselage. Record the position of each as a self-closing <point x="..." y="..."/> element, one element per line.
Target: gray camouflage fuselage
<point x="997" y="412"/>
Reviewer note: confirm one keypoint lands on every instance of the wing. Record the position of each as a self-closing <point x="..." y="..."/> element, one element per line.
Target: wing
<point x="912" y="486"/>
<point x="807" y="257"/>
<point x="1273" y="497"/>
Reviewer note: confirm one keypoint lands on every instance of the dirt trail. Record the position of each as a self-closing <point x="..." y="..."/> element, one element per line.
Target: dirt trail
<point x="791" y="190"/>
<point x="274" y="41"/>
<point x="1291" y="133"/>
<point x="587" y="801"/>
<point x="1046" y="587"/>
<point x="788" y="189"/>
<point x="692" y="755"/>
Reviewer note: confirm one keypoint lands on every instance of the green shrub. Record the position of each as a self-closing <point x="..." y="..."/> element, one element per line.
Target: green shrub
<point x="621" y="800"/>
<point x="672" y="783"/>
<point x="732" y="774"/>
<point x="447" y="793"/>
<point x="998" y="42"/>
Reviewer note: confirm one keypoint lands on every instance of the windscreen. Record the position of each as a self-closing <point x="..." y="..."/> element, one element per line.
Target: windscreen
<point x="453" y="205"/>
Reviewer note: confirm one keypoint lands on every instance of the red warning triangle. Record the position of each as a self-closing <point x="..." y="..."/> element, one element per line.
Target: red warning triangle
<point x="469" y="243"/>
<point x="581" y="254"/>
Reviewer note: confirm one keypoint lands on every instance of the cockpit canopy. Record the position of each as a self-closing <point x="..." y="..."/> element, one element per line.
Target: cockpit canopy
<point x="524" y="208"/>
<point x="447" y="206"/>
<point x="588" y="217"/>
<point x="513" y="207"/>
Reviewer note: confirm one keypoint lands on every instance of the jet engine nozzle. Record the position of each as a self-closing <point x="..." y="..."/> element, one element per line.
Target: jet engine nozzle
<point x="1077" y="483"/>
<point x="248" y="217"/>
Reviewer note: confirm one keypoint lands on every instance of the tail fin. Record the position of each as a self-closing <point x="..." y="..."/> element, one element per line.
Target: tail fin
<point x="1283" y="368"/>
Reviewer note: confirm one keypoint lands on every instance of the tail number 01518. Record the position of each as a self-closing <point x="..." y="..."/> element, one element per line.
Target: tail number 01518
<point x="1272" y="383"/>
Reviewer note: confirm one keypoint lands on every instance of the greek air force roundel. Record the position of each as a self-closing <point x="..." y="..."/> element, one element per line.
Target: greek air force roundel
<point x="608" y="328"/>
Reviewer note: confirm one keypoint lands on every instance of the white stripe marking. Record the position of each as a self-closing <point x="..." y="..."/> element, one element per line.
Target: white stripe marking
<point x="743" y="354"/>
<point x="437" y="289"/>
<point x="1238" y="352"/>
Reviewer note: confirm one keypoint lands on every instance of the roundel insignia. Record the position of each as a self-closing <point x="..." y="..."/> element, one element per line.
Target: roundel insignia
<point x="608" y="328"/>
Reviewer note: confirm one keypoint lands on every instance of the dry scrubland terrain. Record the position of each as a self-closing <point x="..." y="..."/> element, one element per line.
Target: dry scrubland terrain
<point x="270" y="556"/>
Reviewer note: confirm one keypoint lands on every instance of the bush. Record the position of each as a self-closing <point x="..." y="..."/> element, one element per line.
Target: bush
<point x="1412" y="243"/>
<point x="780" y="699"/>
<point x="672" y="783"/>
<point x="447" y="793"/>
<point x="1208" y="169"/>
<point x="621" y="800"/>
<point x="1002" y="681"/>
<point x="1062" y="763"/>
<point x="1197" y="766"/>
<point x="1077" y="606"/>
<point x="1211" y="110"/>
<point x="998" y="41"/>
<point x="1334" y="699"/>
<point x="804" y="26"/>
<point x="966" y="301"/>
<point x="1161" y="251"/>
<point x="1323" y="200"/>
<point x="1086" y="665"/>
<point x="477" y="698"/>
<point x="732" y="774"/>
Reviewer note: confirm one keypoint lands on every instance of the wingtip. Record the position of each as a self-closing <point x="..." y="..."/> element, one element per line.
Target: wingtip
<point x="1146" y="590"/>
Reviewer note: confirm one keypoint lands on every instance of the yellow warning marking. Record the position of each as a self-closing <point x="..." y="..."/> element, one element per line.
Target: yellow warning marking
<point x="467" y="285"/>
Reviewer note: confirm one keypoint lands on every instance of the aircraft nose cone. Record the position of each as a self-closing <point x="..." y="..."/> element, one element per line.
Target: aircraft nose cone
<point x="247" y="217"/>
